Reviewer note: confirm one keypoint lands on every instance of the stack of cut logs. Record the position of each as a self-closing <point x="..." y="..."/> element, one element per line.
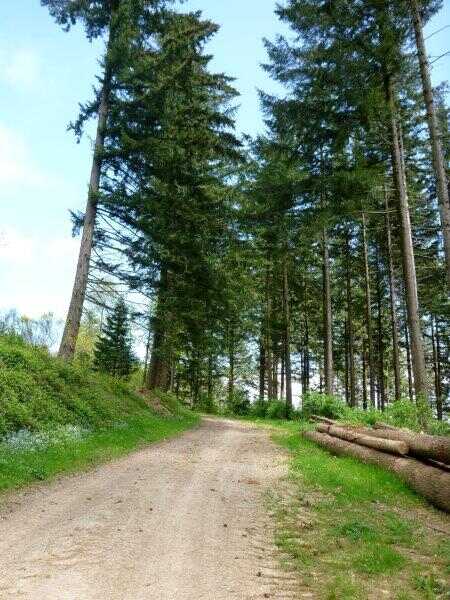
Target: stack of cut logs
<point x="421" y="460"/>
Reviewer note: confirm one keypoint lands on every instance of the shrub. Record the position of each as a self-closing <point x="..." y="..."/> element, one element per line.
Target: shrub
<point x="403" y="413"/>
<point x="207" y="404"/>
<point x="323" y="405"/>
<point x="259" y="409"/>
<point x="239" y="404"/>
<point x="276" y="409"/>
<point x="169" y="401"/>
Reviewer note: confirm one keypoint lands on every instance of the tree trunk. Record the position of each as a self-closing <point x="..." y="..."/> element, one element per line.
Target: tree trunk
<point x="393" y="304"/>
<point x="306" y="358"/>
<point x="347" y="363"/>
<point x="73" y="319"/>
<point x="364" y="375"/>
<point x="275" y="362"/>
<point x="158" y="373"/>
<point x="147" y="352"/>
<point x="436" y="368"/>
<point x="428" y="481"/>
<point x="421" y="445"/>
<point x="287" y="339"/>
<point x="262" y="369"/>
<point x="368" y="306"/>
<point x="210" y="376"/>
<point x="177" y="384"/>
<point x="435" y="137"/>
<point x="364" y="439"/>
<point x="172" y="375"/>
<point x="409" y="267"/>
<point x="327" y="319"/>
<point x="231" y="351"/>
<point x="381" y="381"/>
<point x="158" y="376"/>
<point x="408" y="359"/>
<point x="268" y="337"/>
<point x="439" y="404"/>
<point x="304" y="368"/>
<point x="195" y="381"/>
<point x="351" y="341"/>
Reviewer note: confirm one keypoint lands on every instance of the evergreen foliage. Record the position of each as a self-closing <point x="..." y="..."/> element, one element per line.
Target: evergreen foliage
<point x="310" y="259"/>
<point x="113" y="350"/>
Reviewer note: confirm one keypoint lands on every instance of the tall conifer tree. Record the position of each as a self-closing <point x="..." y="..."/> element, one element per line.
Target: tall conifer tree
<point x="113" y="353"/>
<point x="116" y="20"/>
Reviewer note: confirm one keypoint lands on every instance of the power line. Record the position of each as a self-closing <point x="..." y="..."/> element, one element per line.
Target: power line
<point x="439" y="57"/>
<point x="436" y="32"/>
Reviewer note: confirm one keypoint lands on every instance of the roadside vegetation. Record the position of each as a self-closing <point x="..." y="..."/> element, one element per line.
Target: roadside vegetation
<point x="355" y="531"/>
<point x="402" y="413"/>
<point x="58" y="417"/>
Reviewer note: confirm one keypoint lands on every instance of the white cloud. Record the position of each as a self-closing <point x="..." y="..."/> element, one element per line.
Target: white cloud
<point x="17" y="167"/>
<point x="36" y="272"/>
<point x="21" y="68"/>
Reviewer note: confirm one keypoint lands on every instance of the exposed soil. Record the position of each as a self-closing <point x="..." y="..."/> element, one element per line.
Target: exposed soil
<point x="181" y="520"/>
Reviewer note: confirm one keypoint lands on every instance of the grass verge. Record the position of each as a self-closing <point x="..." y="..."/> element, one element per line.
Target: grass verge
<point x="19" y="467"/>
<point x="59" y="417"/>
<point x="354" y="531"/>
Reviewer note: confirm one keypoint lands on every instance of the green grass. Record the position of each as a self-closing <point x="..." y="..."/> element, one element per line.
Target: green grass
<point x="349" y="479"/>
<point x="21" y="467"/>
<point x="58" y="417"/>
<point x="352" y="530"/>
<point x="38" y="391"/>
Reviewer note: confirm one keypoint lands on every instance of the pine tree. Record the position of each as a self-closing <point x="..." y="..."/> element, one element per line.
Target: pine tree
<point x="172" y="151"/>
<point x="120" y="21"/>
<point x="113" y="353"/>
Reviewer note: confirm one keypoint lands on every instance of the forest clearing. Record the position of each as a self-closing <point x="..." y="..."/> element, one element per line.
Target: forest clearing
<point x="236" y="383"/>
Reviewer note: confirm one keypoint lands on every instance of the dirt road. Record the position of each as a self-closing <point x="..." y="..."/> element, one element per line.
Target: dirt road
<point x="182" y="520"/>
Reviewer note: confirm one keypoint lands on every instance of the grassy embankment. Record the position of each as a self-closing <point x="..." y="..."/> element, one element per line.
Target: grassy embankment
<point x="58" y="418"/>
<point x="354" y="531"/>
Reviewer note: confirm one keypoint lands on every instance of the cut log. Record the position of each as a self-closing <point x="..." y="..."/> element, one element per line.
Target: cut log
<point x="352" y="435"/>
<point x="429" y="482"/>
<point x="421" y="445"/>
<point x="381" y="425"/>
<point x="323" y="420"/>
<point x="435" y="463"/>
<point x="323" y="427"/>
<point x="383" y="435"/>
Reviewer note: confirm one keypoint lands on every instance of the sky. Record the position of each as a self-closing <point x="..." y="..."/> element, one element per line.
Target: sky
<point x="44" y="74"/>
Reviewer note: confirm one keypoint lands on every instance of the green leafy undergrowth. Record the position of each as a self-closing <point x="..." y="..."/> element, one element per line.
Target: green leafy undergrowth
<point x="57" y="417"/>
<point x="355" y="531"/>
<point x="403" y="413"/>
<point x="38" y="391"/>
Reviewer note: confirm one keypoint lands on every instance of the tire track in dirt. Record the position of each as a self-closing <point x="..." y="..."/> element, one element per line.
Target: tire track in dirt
<point x="181" y="520"/>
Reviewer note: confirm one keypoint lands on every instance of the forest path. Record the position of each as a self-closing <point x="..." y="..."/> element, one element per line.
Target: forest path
<point x="184" y="519"/>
